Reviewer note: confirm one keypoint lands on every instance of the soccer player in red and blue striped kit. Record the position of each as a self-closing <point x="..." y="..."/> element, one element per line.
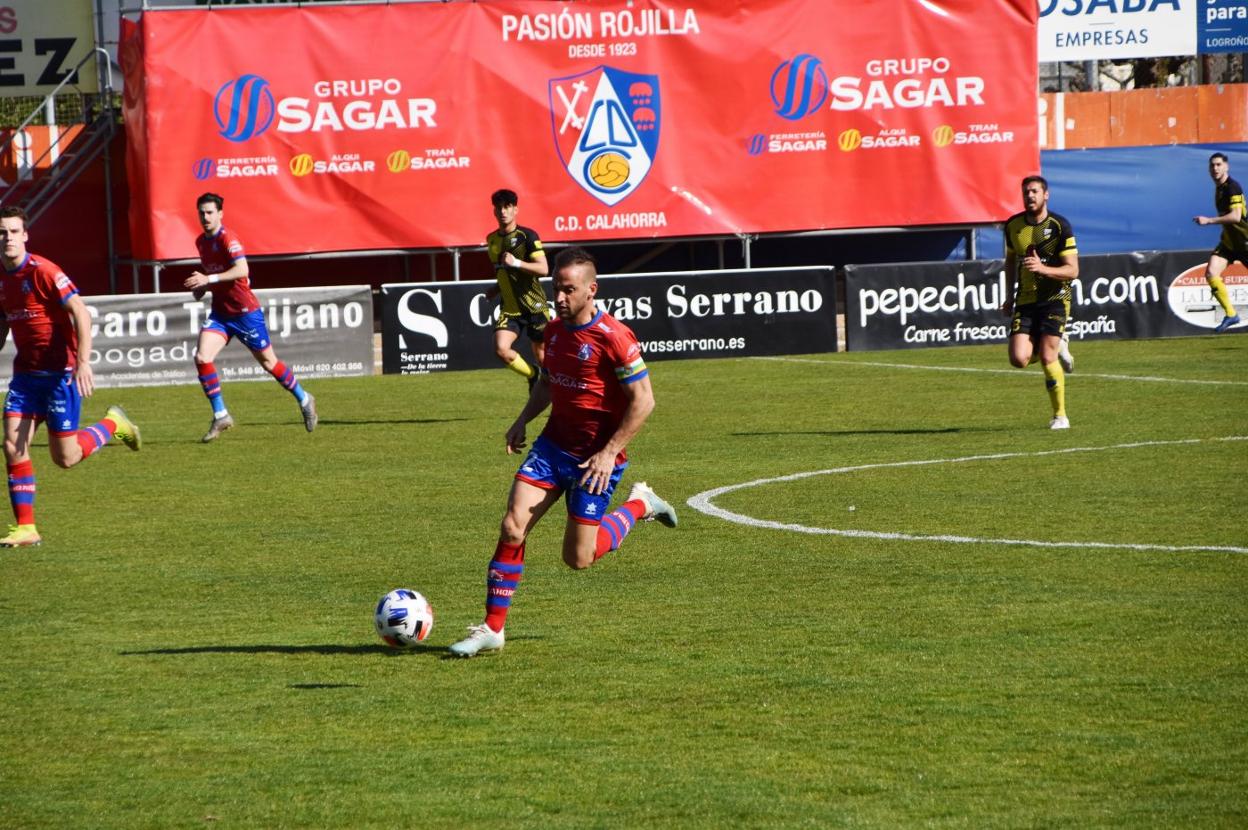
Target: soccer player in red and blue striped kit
<point x="51" y="372"/>
<point x="598" y="389"/>
<point x="235" y="313"/>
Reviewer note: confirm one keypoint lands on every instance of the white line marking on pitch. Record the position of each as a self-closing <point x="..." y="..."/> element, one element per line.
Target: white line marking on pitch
<point x="702" y="503"/>
<point x="1144" y="378"/>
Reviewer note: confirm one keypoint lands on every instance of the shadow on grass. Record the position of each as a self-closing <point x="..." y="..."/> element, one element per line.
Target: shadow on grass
<point x="279" y="649"/>
<point x="915" y="431"/>
<point x="351" y="421"/>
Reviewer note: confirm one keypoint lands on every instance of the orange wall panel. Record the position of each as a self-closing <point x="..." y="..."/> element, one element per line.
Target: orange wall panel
<point x="1152" y="116"/>
<point x="1144" y="117"/>
<point x="1223" y="112"/>
<point x="1087" y="120"/>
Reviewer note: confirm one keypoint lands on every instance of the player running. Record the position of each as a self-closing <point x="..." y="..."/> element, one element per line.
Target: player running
<point x="1228" y="199"/>
<point x="1040" y="254"/>
<point x="51" y="372"/>
<point x="598" y="390"/>
<point x="235" y="313"/>
<point x="519" y="265"/>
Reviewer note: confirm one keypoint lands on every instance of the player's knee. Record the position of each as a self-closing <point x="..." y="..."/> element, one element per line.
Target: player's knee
<point x="511" y="531"/>
<point x="505" y="354"/>
<point x="577" y="558"/>
<point x="65" y="461"/>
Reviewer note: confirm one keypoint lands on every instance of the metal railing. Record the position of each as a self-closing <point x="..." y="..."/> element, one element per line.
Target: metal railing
<point x="66" y="157"/>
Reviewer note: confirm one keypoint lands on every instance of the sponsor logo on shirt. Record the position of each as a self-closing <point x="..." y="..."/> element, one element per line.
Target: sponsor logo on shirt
<point x="566" y="382"/>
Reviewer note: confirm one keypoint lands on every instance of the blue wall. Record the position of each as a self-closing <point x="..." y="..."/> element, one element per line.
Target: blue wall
<point x="1119" y="199"/>
<point x="1122" y="199"/>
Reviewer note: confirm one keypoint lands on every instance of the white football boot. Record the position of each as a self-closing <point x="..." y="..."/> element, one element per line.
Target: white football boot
<point x="308" y="410"/>
<point x="656" y="508"/>
<point x="1059" y="422"/>
<point x="480" y="638"/>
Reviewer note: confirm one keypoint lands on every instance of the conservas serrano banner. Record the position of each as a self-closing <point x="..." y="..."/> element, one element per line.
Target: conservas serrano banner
<point x="1117" y="296"/>
<point x="379" y="126"/>
<point x="441" y="326"/>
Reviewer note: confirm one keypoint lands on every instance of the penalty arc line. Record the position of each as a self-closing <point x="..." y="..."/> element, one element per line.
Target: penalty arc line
<point x="1015" y="372"/>
<point x="703" y="503"/>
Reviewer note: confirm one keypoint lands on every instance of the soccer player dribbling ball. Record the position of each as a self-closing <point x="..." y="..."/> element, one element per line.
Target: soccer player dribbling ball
<point x="235" y="313"/>
<point x="598" y="389"/>
<point x="51" y="372"/>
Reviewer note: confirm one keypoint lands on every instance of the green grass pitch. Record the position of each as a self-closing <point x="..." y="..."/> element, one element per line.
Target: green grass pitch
<point x="192" y="646"/>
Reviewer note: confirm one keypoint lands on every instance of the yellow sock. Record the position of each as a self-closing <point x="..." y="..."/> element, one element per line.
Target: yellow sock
<point x="1219" y="293"/>
<point x="1055" y="382"/>
<point x="521" y="367"/>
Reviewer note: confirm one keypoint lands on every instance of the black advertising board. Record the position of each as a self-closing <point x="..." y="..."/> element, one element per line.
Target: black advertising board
<point x="441" y="326"/>
<point x="1117" y="296"/>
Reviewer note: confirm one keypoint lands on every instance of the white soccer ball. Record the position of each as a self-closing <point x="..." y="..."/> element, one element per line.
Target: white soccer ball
<point x="403" y="618"/>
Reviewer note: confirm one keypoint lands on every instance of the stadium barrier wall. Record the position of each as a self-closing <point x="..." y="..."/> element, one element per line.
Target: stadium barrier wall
<point x="1123" y="199"/>
<point x="1117" y="296"/>
<point x="149" y="339"/>
<point x="1206" y="114"/>
<point x="438" y="326"/>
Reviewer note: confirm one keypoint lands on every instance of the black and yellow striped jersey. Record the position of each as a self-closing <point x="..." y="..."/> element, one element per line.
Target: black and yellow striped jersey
<point x="1052" y="238"/>
<point x="520" y="291"/>
<point x="1226" y="196"/>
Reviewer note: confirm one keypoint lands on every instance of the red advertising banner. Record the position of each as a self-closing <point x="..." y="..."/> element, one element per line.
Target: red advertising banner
<point x="388" y="126"/>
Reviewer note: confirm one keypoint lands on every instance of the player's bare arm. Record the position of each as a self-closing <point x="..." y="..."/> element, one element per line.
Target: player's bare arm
<point x="599" y="466"/>
<point x="84" y="375"/>
<point x="538" y="266"/>
<point x="538" y="400"/>
<point x="1067" y="271"/>
<point x="198" y="279"/>
<point x="1232" y="217"/>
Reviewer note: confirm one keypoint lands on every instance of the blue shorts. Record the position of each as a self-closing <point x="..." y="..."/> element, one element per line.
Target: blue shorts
<point x="551" y="468"/>
<point x="45" y="397"/>
<point x="249" y="328"/>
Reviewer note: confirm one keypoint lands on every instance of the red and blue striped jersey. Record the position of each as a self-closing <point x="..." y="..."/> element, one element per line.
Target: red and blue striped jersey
<point x="218" y="253"/>
<point x="586" y="368"/>
<point x="34" y="296"/>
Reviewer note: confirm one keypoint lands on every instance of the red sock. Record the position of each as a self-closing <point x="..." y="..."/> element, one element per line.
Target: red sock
<point x="501" y="580"/>
<point x="95" y="436"/>
<point x="22" y="491"/>
<point x="616" y="525"/>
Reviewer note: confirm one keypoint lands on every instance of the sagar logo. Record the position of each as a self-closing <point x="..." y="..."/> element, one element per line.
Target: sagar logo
<point x="244" y="107"/>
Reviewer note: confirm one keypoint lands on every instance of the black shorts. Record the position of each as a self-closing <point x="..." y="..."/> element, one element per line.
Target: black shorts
<point x="531" y="323"/>
<point x="1231" y="254"/>
<point x="1040" y="318"/>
